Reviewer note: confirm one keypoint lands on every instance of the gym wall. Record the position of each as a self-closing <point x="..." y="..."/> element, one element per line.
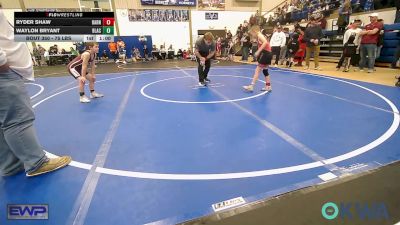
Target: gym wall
<point x="175" y="33"/>
<point x="228" y="19"/>
<point x="230" y="5"/>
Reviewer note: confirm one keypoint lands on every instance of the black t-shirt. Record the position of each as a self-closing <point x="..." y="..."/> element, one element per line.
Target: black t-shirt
<point x="203" y="48"/>
<point x="293" y="46"/>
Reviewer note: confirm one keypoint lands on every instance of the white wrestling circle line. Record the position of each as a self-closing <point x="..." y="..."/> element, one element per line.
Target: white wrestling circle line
<point x="192" y="102"/>
<point x="39" y="92"/>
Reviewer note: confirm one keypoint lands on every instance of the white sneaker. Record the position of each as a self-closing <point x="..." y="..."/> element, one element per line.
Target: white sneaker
<point x="96" y="95"/>
<point x="84" y="99"/>
<point x="370" y="71"/>
<point x="248" y="88"/>
<point x="317" y="68"/>
<point x="267" y="88"/>
<point x="202" y="84"/>
<point x="124" y="62"/>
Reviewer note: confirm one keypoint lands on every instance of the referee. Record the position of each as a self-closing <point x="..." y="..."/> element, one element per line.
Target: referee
<point x="204" y="51"/>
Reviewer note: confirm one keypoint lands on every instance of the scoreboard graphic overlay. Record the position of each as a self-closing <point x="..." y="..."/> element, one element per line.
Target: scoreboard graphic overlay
<point x="64" y="26"/>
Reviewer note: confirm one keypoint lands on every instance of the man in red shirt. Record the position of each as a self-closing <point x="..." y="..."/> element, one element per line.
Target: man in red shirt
<point x="369" y="40"/>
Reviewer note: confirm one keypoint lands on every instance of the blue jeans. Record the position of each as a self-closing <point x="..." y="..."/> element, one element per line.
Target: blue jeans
<point x="19" y="146"/>
<point x="370" y="50"/>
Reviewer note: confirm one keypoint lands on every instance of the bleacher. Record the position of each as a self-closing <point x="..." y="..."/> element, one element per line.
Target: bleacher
<point x="391" y="39"/>
<point x="300" y="15"/>
<point x="332" y="43"/>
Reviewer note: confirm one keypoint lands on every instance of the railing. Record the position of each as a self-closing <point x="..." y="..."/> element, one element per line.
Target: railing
<point x="279" y="5"/>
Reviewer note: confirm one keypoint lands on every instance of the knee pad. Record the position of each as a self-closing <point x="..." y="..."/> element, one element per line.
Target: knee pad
<point x="265" y="72"/>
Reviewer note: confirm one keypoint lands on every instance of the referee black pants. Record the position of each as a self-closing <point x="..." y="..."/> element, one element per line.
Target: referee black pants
<point x="203" y="70"/>
<point x="276" y="51"/>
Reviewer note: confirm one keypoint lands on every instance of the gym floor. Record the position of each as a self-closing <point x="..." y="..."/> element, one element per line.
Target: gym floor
<point x="158" y="149"/>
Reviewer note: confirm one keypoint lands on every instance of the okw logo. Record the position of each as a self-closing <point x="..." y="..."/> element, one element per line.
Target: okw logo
<point x="27" y="212"/>
<point x="355" y="210"/>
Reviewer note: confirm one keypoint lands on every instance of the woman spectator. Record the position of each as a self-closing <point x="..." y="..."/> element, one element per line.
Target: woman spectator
<point x="344" y="16"/>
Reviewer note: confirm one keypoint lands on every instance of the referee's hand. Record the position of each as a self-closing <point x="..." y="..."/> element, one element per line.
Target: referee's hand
<point x="202" y="60"/>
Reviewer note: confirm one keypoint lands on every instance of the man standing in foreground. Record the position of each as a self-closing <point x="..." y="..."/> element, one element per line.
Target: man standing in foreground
<point x="19" y="147"/>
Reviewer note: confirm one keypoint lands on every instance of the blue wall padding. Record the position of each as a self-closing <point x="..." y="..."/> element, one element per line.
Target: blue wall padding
<point x="391" y="43"/>
<point x="391" y="36"/>
<point x="391" y="39"/>
<point x="388" y="51"/>
<point x="395" y="26"/>
<point x="386" y="59"/>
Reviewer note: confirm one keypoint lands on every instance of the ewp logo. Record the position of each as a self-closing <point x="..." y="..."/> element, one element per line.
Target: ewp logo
<point x="362" y="211"/>
<point x="27" y="212"/>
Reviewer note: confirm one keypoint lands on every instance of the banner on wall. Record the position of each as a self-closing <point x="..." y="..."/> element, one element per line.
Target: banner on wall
<point x="158" y="15"/>
<point x="211" y="5"/>
<point x="169" y="2"/>
<point x="52" y="10"/>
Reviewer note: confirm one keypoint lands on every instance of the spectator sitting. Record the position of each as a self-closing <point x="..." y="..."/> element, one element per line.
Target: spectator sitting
<point x="73" y="52"/>
<point x="136" y="55"/>
<point x="155" y="53"/>
<point x="46" y="56"/>
<point x="145" y="52"/>
<point x="104" y="56"/>
<point x="121" y="51"/>
<point x="163" y="52"/>
<point x="64" y="57"/>
<point x="185" y="54"/>
<point x="191" y="55"/>
<point x="179" y="54"/>
<point x="171" y="52"/>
